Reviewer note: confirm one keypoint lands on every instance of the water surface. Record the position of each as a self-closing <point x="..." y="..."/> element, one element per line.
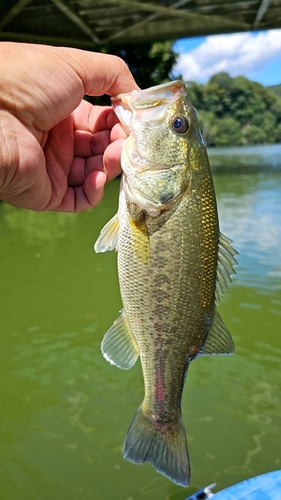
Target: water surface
<point x="64" y="410"/>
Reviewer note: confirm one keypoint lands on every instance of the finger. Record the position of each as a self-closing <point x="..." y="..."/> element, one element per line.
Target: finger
<point x="112" y="159"/>
<point x="109" y="163"/>
<point x="93" y="164"/>
<point x="117" y="132"/>
<point x="87" y="144"/>
<point x="81" y="168"/>
<point x="77" y="173"/>
<point x="83" y="197"/>
<point x="82" y="143"/>
<point x="100" y="73"/>
<point x="93" y="118"/>
<point x="94" y="188"/>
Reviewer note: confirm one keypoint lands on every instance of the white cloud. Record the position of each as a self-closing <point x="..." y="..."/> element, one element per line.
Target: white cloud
<point x="237" y="54"/>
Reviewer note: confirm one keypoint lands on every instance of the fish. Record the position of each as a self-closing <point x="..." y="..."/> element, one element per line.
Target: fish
<point x="173" y="264"/>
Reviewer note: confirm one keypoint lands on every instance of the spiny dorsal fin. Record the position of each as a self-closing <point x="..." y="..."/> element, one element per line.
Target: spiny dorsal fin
<point x="226" y="261"/>
<point x="119" y="346"/>
<point x="219" y="340"/>
<point x="108" y="238"/>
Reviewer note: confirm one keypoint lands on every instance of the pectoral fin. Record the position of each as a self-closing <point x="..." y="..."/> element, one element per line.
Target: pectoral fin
<point x="108" y="238"/>
<point x="219" y="340"/>
<point x="119" y="346"/>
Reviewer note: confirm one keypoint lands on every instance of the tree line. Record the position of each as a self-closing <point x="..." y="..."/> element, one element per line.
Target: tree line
<point x="236" y="111"/>
<point x="231" y="111"/>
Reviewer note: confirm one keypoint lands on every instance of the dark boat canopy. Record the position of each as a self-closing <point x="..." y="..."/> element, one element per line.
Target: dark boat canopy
<point x="94" y="24"/>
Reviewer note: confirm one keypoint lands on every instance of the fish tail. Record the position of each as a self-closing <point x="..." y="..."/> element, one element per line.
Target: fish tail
<point x="164" y="446"/>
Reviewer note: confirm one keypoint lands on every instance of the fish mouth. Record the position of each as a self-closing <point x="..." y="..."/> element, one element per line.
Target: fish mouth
<point x="157" y="98"/>
<point x="151" y="97"/>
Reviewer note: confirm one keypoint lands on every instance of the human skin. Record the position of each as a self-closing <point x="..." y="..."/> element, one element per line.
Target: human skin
<point x="57" y="150"/>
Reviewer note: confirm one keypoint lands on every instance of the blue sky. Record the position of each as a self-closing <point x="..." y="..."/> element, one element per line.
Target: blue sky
<point x="256" y="55"/>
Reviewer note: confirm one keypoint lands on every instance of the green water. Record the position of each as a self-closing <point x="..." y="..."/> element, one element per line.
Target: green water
<point x="64" y="410"/>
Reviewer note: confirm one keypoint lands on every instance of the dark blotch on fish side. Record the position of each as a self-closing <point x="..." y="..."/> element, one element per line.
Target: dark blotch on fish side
<point x="166" y="198"/>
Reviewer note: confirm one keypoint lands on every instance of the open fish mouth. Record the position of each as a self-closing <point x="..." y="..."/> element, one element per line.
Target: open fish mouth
<point x="155" y="99"/>
<point x="151" y="97"/>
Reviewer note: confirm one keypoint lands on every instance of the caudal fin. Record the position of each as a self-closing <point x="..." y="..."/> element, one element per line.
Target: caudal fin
<point x="163" y="446"/>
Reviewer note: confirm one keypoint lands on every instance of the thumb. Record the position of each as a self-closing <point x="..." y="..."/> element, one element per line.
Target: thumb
<point x="100" y="73"/>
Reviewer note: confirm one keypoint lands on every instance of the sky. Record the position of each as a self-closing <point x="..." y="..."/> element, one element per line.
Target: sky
<point x="256" y="55"/>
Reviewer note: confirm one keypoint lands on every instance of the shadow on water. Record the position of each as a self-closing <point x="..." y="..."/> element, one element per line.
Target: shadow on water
<point x="65" y="410"/>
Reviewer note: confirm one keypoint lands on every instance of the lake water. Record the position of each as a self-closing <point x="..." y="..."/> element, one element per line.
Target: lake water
<point x="64" y="411"/>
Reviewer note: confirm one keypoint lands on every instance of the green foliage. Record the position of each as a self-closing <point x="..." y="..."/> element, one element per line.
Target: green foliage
<point x="216" y="132"/>
<point x="150" y="62"/>
<point x="228" y="127"/>
<point x="276" y="89"/>
<point x="278" y="133"/>
<point x="235" y="111"/>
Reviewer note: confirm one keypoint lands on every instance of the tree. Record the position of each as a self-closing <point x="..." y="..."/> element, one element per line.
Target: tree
<point x="235" y="111"/>
<point x="150" y="62"/>
<point x="195" y="94"/>
<point x="228" y="129"/>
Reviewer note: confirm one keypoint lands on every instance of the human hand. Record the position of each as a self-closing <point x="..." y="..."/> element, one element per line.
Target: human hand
<point x="57" y="150"/>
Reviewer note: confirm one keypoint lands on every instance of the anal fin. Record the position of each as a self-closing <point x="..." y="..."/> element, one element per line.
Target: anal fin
<point x="219" y="340"/>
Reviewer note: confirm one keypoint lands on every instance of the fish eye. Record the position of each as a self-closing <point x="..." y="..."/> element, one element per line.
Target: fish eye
<point x="180" y="124"/>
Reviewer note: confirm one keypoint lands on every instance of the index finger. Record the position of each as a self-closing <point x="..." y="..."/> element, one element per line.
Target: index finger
<point x="93" y="118"/>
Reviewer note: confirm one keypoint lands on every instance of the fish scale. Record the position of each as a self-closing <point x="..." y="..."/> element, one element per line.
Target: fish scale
<point x="172" y="264"/>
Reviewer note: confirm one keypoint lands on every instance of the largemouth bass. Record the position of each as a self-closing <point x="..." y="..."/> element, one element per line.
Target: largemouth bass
<point x="173" y="263"/>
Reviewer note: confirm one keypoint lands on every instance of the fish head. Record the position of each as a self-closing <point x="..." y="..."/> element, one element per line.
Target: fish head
<point x="162" y="129"/>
